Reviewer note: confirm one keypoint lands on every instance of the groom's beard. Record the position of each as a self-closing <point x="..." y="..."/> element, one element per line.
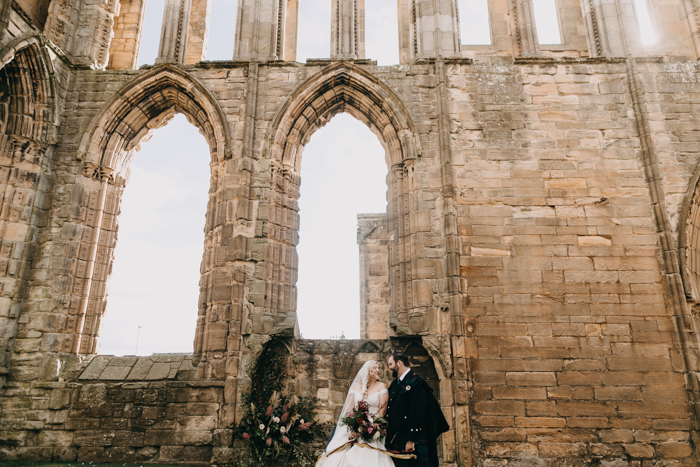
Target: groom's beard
<point x="394" y="373"/>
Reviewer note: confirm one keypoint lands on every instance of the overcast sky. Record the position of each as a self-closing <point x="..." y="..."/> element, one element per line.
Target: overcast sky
<point x="154" y="288"/>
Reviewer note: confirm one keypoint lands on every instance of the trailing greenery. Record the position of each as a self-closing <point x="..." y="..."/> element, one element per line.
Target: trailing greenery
<point x="276" y="427"/>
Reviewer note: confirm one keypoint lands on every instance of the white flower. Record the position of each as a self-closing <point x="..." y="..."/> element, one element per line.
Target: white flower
<point x="408" y="388"/>
<point x="276" y="419"/>
<point x="262" y="426"/>
<point x="301" y="421"/>
<point x="282" y="429"/>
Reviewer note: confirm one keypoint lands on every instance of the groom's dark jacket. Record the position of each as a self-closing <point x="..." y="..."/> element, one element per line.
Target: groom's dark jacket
<point x="413" y="413"/>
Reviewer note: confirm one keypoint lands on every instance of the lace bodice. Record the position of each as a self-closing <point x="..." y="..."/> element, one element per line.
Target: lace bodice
<point x="372" y="400"/>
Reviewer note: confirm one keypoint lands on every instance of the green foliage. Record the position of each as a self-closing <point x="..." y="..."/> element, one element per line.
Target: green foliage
<point x="276" y="427"/>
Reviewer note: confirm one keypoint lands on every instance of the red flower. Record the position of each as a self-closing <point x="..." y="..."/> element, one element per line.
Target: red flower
<point x="285" y="416"/>
<point x="285" y="440"/>
<point x="246" y="436"/>
<point x="268" y="441"/>
<point x="268" y="412"/>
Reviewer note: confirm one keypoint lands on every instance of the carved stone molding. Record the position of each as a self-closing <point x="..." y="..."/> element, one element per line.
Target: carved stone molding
<point x="440" y="348"/>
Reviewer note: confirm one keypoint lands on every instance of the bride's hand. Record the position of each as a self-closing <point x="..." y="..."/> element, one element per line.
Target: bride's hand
<point x="353" y="436"/>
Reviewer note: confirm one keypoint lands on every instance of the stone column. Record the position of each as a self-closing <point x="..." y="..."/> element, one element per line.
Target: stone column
<point x="406" y="36"/>
<point x="5" y="8"/>
<point x="291" y="30"/>
<point x="692" y="13"/>
<point x="409" y="294"/>
<point x="525" y="29"/>
<point x="83" y="29"/>
<point x="428" y="29"/>
<point x="260" y="30"/>
<point x="348" y="30"/>
<point x="173" y="35"/>
<point x="612" y="26"/>
<point x="124" y="49"/>
<point x="198" y="31"/>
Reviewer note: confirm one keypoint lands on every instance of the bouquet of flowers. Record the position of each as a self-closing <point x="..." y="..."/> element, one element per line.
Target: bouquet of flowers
<point x="275" y="428"/>
<point x="366" y="426"/>
<point x="283" y="427"/>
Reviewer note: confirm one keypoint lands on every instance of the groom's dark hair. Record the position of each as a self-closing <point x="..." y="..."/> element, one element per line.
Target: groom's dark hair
<point x="400" y="357"/>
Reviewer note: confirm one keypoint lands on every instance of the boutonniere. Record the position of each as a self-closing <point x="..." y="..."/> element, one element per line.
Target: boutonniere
<point x="408" y="388"/>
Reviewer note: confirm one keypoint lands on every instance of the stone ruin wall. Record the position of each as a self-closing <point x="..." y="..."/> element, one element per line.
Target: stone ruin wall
<point x="155" y="410"/>
<point x="375" y="303"/>
<point x="540" y="233"/>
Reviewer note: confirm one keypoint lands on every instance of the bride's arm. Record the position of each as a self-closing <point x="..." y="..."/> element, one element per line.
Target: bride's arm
<point x="383" y="400"/>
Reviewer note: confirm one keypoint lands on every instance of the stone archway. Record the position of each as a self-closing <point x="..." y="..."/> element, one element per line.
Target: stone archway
<point x="28" y="114"/>
<point x="146" y="104"/>
<point x="106" y="150"/>
<point x="689" y="240"/>
<point x="28" y="73"/>
<point x="340" y="87"/>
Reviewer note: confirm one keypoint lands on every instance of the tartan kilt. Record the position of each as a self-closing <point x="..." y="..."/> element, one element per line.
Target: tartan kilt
<point x="425" y="450"/>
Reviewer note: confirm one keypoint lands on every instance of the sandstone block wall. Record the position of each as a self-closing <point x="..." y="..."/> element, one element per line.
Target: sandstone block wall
<point x="374" y="276"/>
<point x="541" y="233"/>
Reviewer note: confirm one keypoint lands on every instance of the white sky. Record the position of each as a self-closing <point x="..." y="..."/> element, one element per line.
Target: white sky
<point x="154" y="288"/>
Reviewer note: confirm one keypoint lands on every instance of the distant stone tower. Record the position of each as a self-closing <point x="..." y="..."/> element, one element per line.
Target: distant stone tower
<point x="537" y="260"/>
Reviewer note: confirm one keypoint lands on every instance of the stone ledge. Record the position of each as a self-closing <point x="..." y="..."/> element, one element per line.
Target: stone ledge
<point x="157" y="367"/>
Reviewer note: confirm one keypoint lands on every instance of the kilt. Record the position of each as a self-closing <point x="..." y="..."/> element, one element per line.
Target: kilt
<point x="425" y="451"/>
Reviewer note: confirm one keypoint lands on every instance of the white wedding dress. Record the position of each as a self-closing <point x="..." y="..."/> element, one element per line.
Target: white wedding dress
<point x="356" y="456"/>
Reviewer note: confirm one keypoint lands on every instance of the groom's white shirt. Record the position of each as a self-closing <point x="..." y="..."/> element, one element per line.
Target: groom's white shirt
<point x="404" y="374"/>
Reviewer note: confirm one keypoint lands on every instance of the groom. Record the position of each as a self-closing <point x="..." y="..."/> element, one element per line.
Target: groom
<point x="414" y="415"/>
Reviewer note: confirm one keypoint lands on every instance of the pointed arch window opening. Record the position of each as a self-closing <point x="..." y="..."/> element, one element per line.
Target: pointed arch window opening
<point x="150" y="35"/>
<point x="547" y="21"/>
<point x="343" y="175"/>
<point x="222" y="27"/>
<point x="382" y="32"/>
<point x="154" y="289"/>
<point x="314" y="37"/>
<point x="647" y="31"/>
<point x="107" y="150"/>
<point x="474" y="22"/>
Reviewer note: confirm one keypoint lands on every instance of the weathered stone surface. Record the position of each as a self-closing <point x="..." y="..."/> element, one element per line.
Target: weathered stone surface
<point x="538" y="259"/>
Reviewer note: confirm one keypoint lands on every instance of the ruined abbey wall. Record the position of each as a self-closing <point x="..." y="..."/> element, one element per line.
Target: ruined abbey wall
<point x="538" y="258"/>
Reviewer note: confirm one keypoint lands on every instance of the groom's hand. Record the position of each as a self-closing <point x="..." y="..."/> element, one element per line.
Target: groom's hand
<point x="410" y="446"/>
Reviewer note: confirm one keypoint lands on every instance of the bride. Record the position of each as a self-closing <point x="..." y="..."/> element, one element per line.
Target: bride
<point x="367" y="387"/>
